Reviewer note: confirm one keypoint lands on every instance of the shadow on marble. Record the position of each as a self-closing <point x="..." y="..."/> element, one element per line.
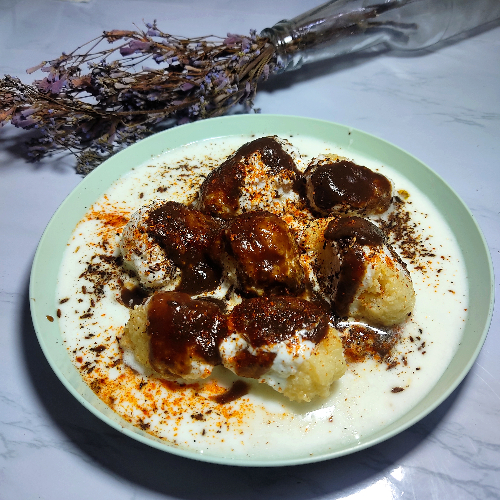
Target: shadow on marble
<point x="13" y="142"/>
<point x="96" y="443"/>
<point x="14" y="152"/>
<point x="319" y="69"/>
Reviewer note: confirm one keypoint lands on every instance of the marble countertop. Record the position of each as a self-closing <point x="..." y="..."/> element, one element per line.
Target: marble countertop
<point x="441" y="105"/>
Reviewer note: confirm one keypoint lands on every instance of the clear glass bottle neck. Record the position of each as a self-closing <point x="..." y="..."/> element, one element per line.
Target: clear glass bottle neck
<point x="343" y="26"/>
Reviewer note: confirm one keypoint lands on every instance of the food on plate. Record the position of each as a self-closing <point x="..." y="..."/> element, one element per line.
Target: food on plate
<point x="288" y="276"/>
<point x="170" y="245"/>
<point x="335" y="184"/>
<point x="184" y="388"/>
<point x="265" y="254"/>
<point x="285" y="342"/>
<point x="260" y="175"/>
<point x="374" y="285"/>
<point x="358" y="272"/>
<point x="144" y="256"/>
<point x="174" y="336"/>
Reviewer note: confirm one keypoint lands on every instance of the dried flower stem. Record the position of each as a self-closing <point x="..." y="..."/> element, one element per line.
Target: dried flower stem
<point x="95" y="101"/>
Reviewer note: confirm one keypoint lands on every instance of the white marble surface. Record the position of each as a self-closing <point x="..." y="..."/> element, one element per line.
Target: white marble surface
<point x="442" y="105"/>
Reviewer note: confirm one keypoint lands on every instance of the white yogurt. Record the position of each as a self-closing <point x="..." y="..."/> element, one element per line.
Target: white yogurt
<point x="144" y="256"/>
<point x="366" y="399"/>
<point x="290" y="354"/>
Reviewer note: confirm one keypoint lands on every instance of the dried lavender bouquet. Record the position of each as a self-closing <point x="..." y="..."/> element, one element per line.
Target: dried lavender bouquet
<point x="96" y="100"/>
<point x="103" y="96"/>
<point x="100" y="98"/>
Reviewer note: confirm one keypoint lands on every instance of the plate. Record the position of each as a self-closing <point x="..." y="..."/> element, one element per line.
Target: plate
<point x="477" y="261"/>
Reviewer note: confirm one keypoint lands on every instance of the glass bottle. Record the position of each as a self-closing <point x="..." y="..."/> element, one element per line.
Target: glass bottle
<point x="344" y="26"/>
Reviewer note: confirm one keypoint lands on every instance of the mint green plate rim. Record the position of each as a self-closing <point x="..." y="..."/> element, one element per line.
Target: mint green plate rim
<point x="43" y="280"/>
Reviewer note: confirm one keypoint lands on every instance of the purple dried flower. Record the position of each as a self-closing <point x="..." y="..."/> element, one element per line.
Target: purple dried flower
<point x="57" y="85"/>
<point x="244" y="60"/>
<point x="35" y="68"/>
<point x="23" y="120"/>
<point x="51" y="83"/>
<point x="43" y="84"/>
<point x="135" y="46"/>
<point x="27" y="112"/>
<point x="101" y="103"/>
<point x="232" y="39"/>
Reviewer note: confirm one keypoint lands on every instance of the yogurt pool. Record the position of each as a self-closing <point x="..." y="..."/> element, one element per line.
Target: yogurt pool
<point x="373" y="392"/>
